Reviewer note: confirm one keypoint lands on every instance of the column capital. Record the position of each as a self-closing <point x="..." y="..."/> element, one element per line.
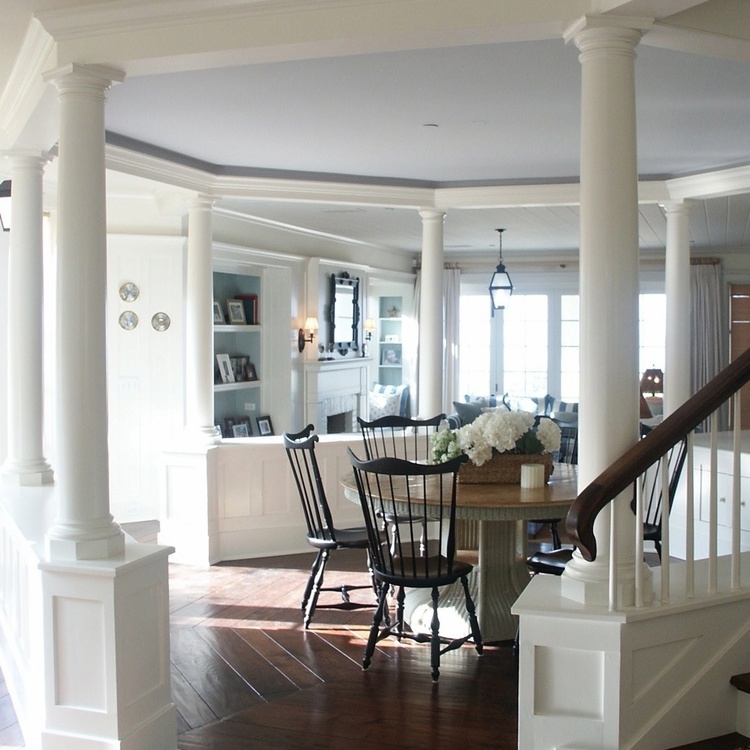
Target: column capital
<point x="593" y="32"/>
<point x="26" y="158"/>
<point x="84" y="79"/>
<point x="681" y="205"/>
<point x="432" y="214"/>
<point x="201" y="201"/>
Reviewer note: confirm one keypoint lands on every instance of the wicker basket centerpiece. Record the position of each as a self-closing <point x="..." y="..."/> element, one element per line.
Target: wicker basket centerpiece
<point x="498" y="442"/>
<point x="503" y="468"/>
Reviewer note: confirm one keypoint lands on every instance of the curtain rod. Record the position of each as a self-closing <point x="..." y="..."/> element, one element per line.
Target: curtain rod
<point x="705" y="261"/>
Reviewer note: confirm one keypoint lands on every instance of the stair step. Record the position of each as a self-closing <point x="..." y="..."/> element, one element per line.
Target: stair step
<point x="733" y="741"/>
<point x="741" y="682"/>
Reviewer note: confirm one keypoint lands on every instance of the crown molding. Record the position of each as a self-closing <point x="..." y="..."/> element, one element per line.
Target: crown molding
<point x="26" y="87"/>
<point x="710" y="184"/>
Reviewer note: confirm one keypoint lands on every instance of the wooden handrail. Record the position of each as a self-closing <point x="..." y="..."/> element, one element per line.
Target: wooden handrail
<point x="635" y="461"/>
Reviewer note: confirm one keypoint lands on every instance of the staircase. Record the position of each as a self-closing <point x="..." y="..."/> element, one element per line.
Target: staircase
<point x="735" y="740"/>
<point x="650" y="653"/>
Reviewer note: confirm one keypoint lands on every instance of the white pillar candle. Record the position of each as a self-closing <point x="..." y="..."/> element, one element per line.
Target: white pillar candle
<point x="532" y="476"/>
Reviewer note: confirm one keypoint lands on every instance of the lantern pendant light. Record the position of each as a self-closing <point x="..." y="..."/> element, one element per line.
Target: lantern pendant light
<point x="501" y="287"/>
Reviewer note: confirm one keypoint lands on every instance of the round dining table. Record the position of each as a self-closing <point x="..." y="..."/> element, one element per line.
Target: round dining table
<point x="500" y="575"/>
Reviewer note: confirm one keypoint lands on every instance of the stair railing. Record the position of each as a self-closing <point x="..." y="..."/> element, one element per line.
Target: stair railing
<point x="699" y="412"/>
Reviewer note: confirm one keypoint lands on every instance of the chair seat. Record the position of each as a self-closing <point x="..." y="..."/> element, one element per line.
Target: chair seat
<point x="420" y="580"/>
<point x="354" y="538"/>
<point x="553" y="562"/>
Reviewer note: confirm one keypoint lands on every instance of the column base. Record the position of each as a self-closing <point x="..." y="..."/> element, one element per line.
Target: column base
<point x="104" y="547"/>
<point x="27" y="473"/>
<point x="106" y="642"/>
<point x="588" y="584"/>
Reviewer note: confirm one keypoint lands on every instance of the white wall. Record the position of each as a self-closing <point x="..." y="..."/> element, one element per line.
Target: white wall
<point x="4" y="248"/>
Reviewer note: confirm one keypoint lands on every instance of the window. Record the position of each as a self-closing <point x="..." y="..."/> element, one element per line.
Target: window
<point x="569" y="347"/>
<point x="525" y="345"/>
<point x="652" y="329"/>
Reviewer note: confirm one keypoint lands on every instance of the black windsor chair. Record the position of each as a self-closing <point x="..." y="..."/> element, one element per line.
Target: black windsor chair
<point x="399" y="437"/>
<point x="394" y="436"/>
<point x="322" y="534"/>
<point x="399" y="488"/>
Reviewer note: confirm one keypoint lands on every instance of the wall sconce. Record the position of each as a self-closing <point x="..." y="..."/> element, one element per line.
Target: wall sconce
<point x="652" y="381"/>
<point x="5" y="206"/>
<point x="311" y="325"/>
<point x="369" y="327"/>
<point x="501" y="287"/>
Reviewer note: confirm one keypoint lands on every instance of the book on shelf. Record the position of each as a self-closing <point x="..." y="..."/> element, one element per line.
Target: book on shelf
<point x="250" y="301"/>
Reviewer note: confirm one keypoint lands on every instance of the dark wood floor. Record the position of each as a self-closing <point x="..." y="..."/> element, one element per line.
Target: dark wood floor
<point x="246" y="675"/>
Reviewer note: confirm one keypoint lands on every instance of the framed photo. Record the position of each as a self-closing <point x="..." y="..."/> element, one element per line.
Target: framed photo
<point x="218" y="313"/>
<point x="246" y="421"/>
<point x="229" y="424"/>
<point x="239" y="365"/>
<point x="264" y="426"/>
<point x="236" y="312"/>
<point x="250" y="373"/>
<point x="225" y="368"/>
<point x="240" y="430"/>
<point x="390" y="356"/>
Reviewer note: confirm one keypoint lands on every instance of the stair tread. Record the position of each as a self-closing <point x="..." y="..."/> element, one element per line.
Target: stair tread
<point x="733" y="741"/>
<point x="741" y="682"/>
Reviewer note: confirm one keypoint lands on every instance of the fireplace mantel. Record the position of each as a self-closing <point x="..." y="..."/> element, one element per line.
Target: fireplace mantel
<point x="333" y="387"/>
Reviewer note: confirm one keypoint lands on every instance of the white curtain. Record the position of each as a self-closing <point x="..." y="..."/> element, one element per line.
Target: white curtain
<point x="705" y="323"/>
<point x="451" y="299"/>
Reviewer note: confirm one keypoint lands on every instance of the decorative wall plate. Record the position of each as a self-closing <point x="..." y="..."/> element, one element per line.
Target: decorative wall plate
<point x="128" y="320"/>
<point x="129" y="292"/>
<point x="161" y="321"/>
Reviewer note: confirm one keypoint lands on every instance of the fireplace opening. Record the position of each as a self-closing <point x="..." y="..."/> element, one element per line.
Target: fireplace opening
<point x="336" y="423"/>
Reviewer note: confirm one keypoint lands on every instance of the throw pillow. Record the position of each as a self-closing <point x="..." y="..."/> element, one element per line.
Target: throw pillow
<point x="467" y="413"/>
<point x="383" y="404"/>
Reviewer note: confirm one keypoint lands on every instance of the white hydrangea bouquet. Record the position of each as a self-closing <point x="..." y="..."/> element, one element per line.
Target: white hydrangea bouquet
<point x="494" y="432"/>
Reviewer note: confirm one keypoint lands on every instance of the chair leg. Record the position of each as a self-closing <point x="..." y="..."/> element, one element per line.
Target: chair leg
<point x="400" y="612"/>
<point x="311" y="578"/>
<point x="555" y="535"/>
<point x="473" y="622"/>
<point x="435" y="640"/>
<point x="317" y="584"/>
<point x="377" y="618"/>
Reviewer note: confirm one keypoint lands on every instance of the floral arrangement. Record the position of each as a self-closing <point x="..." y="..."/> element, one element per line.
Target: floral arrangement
<point x="497" y="431"/>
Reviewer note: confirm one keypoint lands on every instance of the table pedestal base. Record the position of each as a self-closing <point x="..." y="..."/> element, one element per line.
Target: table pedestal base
<point x="495" y="584"/>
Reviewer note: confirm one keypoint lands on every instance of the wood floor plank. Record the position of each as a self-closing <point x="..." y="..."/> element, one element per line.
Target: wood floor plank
<point x="192" y="709"/>
<point x="218" y="684"/>
<point x="261" y="674"/>
<point x="265" y="644"/>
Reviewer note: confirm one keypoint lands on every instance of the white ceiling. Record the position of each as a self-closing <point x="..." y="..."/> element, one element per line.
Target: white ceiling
<point x="500" y="113"/>
<point x="485" y="113"/>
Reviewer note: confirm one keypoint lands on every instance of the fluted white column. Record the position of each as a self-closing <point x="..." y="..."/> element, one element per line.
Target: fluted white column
<point x="431" y="314"/>
<point x="609" y="388"/>
<point x="199" y="353"/>
<point x="25" y="463"/>
<point x="84" y="528"/>
<point x="677" y="287"/>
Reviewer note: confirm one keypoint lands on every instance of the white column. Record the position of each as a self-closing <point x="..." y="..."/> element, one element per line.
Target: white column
<point x="677" y="287"/>
<point x="199" y="353"/>
<point x="84" y="528"/>
<point x="431" y="314"/>
<point x="25" y="463"/>
<point x="609" y="388"/>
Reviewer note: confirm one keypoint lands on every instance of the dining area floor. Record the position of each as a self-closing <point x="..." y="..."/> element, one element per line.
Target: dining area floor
<point x="245" y="674"/>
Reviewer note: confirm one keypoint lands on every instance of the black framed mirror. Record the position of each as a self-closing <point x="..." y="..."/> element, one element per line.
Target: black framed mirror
<point x="343" y="315"/>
